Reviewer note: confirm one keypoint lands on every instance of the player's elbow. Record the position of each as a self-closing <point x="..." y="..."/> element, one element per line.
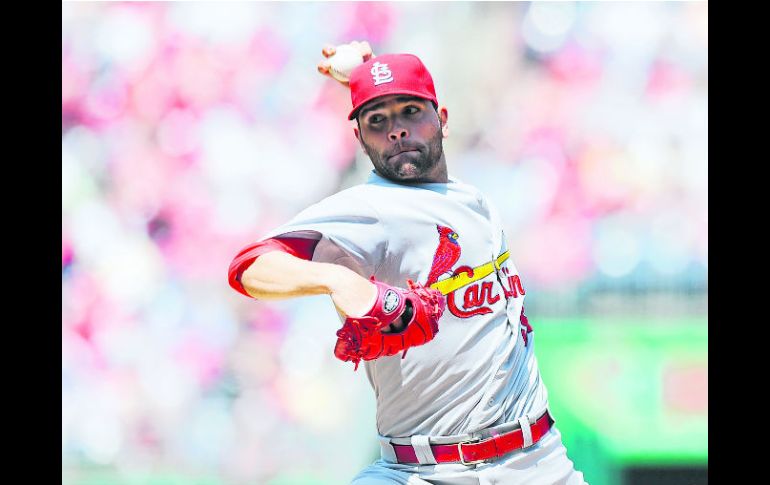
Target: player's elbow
<point x="253" y="279"/>
<point x="261" y="278"/>
<point x="244" y="275"/>
<point x="275" y="274"/>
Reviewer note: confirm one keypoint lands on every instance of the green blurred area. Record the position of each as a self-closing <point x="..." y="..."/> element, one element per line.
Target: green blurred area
<point x="624" y="392"/>
<point x="627" y="391"/>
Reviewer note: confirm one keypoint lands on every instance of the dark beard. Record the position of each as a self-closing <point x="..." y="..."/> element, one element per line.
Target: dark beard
<point x="411" y="168"/>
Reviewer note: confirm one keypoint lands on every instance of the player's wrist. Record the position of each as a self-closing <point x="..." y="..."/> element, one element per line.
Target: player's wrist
<point x="353" y="294"/>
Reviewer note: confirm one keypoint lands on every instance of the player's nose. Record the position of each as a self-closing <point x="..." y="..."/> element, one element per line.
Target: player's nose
<point x="398" y="134"/>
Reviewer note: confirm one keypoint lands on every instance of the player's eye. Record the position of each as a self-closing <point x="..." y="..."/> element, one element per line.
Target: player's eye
<point x="411" y="110"/>
<point x="374" y="119"/>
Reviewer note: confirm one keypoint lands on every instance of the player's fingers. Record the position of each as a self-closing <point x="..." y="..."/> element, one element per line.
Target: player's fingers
<point x="323" y="67"/>
<point x="328" y="50"/>
<point x="358" y="46"/>
<point x="366" y="50"/>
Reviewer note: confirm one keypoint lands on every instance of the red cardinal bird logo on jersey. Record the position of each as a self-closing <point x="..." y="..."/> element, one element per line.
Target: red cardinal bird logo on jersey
<point x="447" y="254"/>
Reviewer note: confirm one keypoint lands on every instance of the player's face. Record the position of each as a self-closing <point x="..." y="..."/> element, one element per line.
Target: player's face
<point x="403" y="137"/>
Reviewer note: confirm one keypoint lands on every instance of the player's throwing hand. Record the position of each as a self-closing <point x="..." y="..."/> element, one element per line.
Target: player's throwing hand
<point x="325" y="66"/>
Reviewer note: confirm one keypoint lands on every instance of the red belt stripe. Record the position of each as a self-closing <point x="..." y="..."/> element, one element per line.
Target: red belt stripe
<point x="487" y="449"/>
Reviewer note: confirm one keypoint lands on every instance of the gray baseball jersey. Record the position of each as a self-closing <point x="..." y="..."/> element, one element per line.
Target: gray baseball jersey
<point x="480" y="369"/>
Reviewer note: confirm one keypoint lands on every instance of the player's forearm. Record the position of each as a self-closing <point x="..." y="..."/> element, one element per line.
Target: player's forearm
<point x="277" y="275"/>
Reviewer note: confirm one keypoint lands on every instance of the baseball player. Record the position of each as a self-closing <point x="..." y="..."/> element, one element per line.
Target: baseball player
<point x="431" y="305"/>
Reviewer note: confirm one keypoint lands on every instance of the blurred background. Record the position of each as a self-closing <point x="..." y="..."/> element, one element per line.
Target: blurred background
<point x="189" y="129"/>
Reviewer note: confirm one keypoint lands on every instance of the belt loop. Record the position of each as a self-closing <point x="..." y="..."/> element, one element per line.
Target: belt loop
<point x="421" y="445"/>
<point x="526" y="430"/>
<point x="386" y="450"/>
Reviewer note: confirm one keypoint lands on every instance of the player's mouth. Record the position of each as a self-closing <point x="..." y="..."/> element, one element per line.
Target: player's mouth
<point x="404" y="150"/>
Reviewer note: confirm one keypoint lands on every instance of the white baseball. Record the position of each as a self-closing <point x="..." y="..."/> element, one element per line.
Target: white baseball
<point x="345" y="59"/>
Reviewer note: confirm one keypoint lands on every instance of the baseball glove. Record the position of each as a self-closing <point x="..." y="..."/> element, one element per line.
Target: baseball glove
<point x="418" y="306"/>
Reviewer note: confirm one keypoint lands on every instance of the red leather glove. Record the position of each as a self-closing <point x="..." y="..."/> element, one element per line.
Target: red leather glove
<point x="362" y="338"/>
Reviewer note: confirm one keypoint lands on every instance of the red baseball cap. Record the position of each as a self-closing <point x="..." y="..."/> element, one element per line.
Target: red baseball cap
<point x="390" y="74"/>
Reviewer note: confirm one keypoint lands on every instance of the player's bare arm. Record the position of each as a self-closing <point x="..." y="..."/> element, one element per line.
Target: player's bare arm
<point x="278" y="275"/>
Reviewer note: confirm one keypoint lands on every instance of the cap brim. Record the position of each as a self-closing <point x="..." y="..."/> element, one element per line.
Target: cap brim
<point x="355" y="111"/>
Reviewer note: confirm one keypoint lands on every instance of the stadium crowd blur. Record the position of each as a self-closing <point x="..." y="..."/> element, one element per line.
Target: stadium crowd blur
<point x="189" y="129"/>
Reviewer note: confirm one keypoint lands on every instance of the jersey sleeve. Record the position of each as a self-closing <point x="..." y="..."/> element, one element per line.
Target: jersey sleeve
<point x="349" y="231"/>
<point x="297" y="247"/>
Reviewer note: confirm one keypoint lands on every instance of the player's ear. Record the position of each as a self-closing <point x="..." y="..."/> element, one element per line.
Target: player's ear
<point x="443" y="118"/>
<point x="357" y="132"/>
